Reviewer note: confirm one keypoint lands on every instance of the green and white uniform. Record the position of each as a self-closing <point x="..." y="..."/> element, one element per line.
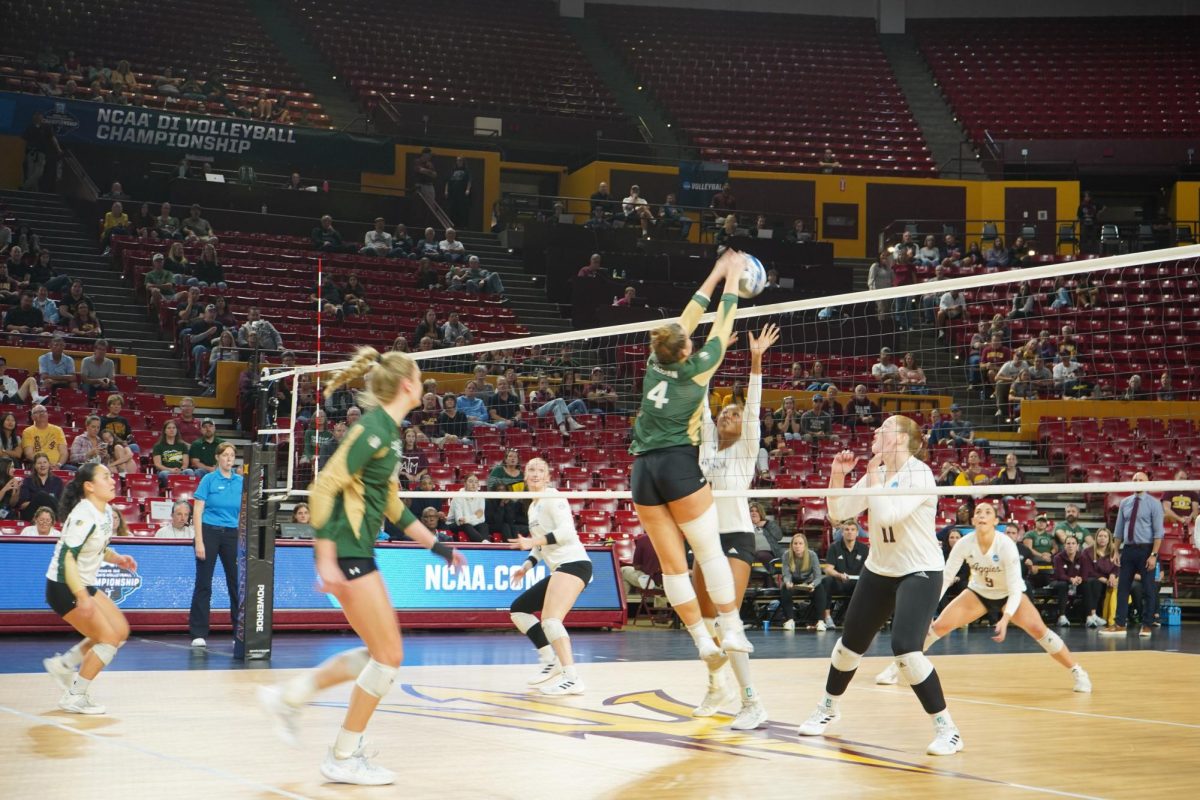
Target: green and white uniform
<point x="86" y="535"/>
<point x="357" y="487"/>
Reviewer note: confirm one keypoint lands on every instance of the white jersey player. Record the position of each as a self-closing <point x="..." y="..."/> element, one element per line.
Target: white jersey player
<point x="728" y="457"/>
<point x="996" y="585"/>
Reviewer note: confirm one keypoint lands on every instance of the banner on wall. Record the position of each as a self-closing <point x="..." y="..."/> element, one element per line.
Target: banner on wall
<point x="700" y="180"/>
<point x="189" y="134"/>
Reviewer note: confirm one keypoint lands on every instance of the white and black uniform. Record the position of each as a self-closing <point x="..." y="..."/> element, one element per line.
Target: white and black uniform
<point x="995" y="575"/>
<point x="86" y="535"/>
<point x="904" y="567"/>
<point x="734" y="468"/>
<point x="552" y="518"/>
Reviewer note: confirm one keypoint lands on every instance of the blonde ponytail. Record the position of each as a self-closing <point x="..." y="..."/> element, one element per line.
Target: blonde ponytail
<point x="667" y="341"/>
<point x="382" y="375"/>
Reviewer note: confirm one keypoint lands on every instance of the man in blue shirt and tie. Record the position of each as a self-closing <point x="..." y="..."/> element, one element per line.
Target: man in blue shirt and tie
<point x="1139" y="529"/>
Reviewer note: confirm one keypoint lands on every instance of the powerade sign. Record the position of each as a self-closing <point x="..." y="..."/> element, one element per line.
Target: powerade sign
<point x="416" y="580"/>
<point x="186" y="134"/>
<point x="700" y="180"/>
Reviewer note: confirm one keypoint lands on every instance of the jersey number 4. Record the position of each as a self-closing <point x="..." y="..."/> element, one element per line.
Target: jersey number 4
<point x="889" y="535"/>
<point x="658" y="394"/>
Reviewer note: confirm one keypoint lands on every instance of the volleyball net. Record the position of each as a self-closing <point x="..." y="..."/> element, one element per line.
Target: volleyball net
<point x="1051" y="384"/>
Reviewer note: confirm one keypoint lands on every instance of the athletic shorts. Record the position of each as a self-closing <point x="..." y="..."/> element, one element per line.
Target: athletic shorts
<point x="580" y="569"/>
<point x="60" y="597"/>
<point x="740" y="546"/>
<point x="992" y="606"/>
<point x="357" y="567"/>
<point x="666" y="475"/>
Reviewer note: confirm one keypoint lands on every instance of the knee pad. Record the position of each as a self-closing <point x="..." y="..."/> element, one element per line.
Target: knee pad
<point x="678" y="589"/>
<point x="914" y="667"/>
<point x="703" y="534"/>
<point x="718" y="578"/>
<point x="554" y="629"/>
<point x="523" y="621"/>
<point x="105" y="652"/>
<point x="1051" y="642"/>
<point x="376" y="679"/>
<point x="843" y="658"/>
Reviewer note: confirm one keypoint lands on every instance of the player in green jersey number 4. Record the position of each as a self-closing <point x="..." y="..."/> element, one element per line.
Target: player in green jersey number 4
<point x="672" y="498"/>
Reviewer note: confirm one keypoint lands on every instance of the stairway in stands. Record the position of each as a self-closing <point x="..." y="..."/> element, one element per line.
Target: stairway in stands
<point x="76" y="252"/>
<point x="526" y="293"/>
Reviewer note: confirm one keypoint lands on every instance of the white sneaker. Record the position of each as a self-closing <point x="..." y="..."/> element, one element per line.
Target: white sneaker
<point x="39" y="399"/>
<point x="199" y="642"/>
<point x="62" y="674"/>
<point x="820" y="626"/>
<point x="752" y="716"/>
<point x="890" y="675"/>
<point x="356" y="769"/>
<point x="1094" y="622"/>
<point x="573" y="425"/>
<point x="720" y="692"/>
<point x="736" y="640"/>
<point x="790" y="625"/>
<point x="947" y="743"/>
<point x="79" y="704"/>
<point x="817" y="722"/>
<point x="1083" y="684"/>
<point x="712" y="655"/>
<point x="285" y="716"/>
<point x="547" y="671"/>
<point x="565" y="685"/>
<point x="1063" y="622"/>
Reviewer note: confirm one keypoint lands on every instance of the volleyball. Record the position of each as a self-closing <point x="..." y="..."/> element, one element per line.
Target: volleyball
<point x="753" y="280"/>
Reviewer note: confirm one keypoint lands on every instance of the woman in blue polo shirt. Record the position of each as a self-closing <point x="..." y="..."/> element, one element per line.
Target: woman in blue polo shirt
<point x="217" y="507"/>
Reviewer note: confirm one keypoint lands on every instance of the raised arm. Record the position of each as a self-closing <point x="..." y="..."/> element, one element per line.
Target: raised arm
<point x="845" y="507"/>
<point x="954" y="563"/>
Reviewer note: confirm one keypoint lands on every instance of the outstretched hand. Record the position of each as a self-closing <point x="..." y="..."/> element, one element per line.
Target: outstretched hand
<point x="845" y="461"/>
<point x="767" y="337"/>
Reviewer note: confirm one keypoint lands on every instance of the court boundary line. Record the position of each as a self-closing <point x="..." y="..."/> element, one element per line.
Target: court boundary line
<point x="202" y="768"/>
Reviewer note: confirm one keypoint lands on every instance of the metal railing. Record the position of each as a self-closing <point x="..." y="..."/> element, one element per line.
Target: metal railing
<point x="1107" y="236"/>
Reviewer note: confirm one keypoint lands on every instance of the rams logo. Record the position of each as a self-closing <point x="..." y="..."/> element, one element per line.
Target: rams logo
<point x="117" y="582"/>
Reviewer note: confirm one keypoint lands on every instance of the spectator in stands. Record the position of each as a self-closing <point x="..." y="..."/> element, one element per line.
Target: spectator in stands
<point x="473" y="407"/>
<point x="937" y="429"/>
<point x="911" y="376"/>
<point x="1068" y="377"/>
<point x="202" y="453"/>
<point x="669" y="213"/>
<point x="428" y="246"/>
<point x="196" y="229"/>
<point x="727" y="231"/>
<point x="1102" y="574"/>
<point x="1164" y="390"/>
<point x="170" y="454"/>
<point x="828" y="161"/>
<point x="179" y="526"/>
<point x="1003" y="379"/>
<point x="629" y="299"/>
<point x="116" y="223"/>
<point x="1022" y="389"/>
<point x="88" y="446"/>
<point x="43" y="438"/>
<point x="1010" y="475"/>
<point x="504" y="407"/>
<point x="997" y="255"/>
<point x="402" y="242"/>
<point x="802" y="574"/>
<point x="506" y="516"/>
<point x="159" y="280"/>
<point x="452" y="424"/>
<point x="880" y="276"/>
<point x="1043" y="544"/>
<point x="542" y="402"/>
<point x="1069" y="526"/>
<point x="167" y="226"/>
<point x="98" y="373"/>
<point x="1061" y="295"/>
<point x="453" y="330"/>
<point x="41" y="487"/>
<point x="452" y="250"/>
<point x="644" y="572"/>
<point x="815" y="424"/>
<point x="325" y="237"/>
<point x="295" y="183"/>
<point x="1134" y="390"/>
<point x="199" y="337"/>
<point x="799" y="234"/>
<point x="593" y="269"/>
<point x="481" y="280"/>
<point x="113" y="419"/>
<point x="189" y="424"/>
<point x="1019" y="255"/>
<point x="602" y="200"/>
<point x="427" y="275"/>
<point x="268" y="336"/>
<point x="84" y="323"/>
<point x="414" y="464"/>
<point x="1070" y="571"/>
<point x="41" y="145"/>
<point x="768" y="537"/>
<point x="833" y="405"/>
<point x="208" y="270"/>
<point x="636" y="211"/>
<point x="903" y="275"/>
<point x="178" y="263"/>
<point x="1139" y="527"/>
<point x="862" y="410"/>
<point x="991" y="359"/>
<point x="951" y="251"/>
<point x="55" y="368"/>
<point x="43" y="275"/>
<point x="117" y="455"/>
<point x="1088" y="215"/>
<point x="424" y="419"/>
<point x="43" y="523"/>
<point x="24" y="318"/>
<point x="428" y="326"/>
<point x="928" y="255"/>
<point x="458" y="192"/>
<point x="1029" y="559"/>
<point x="724" y="202"/>
<point x="425" y="175"/>
<point x="377" y="241"/>
<point x="960" y="431"/>
<point x="598" y="221"/>
<point x="886" y="372"/>
<point x="467" y="512"/>
<point x="601" y="397"/>
<point x="1181" y="507"/>
<point x="844" y="561"/>
<point x="974" y="474"/>
<point x="10" y="392"/>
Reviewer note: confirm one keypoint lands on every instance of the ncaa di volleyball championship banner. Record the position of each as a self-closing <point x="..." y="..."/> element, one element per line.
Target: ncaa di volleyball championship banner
<point x="187" y="134"/>
<point x="700" y="180"/>
<point x="416" y="579"/>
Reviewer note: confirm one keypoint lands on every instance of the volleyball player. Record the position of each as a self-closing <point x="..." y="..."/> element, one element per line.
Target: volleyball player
<point x="901" y="578"/>
<point x="552" y="540"/>
<point x="71" y="586"/>
<point x="996" y="585"/>
<point x="349" y="499"/>
<point x="670" y="494"/>
<point x="728" y="455"/>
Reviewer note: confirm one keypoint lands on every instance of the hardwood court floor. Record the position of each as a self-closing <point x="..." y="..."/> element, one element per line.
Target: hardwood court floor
<point x="474" y="732"/>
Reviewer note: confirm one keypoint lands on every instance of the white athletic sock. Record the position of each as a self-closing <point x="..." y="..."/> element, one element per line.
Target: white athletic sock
<point x="830" y="703"/>
<point x="570" y="672"/>
<point x="80" y="684"/>
<point x="942" y="719"/>
<point x="1076" y="669"/>
<point x="546" y="654"/>
<point x="299" y="690"/>
<point x="740" y="662"/>
<point x="930" y="638"/>
<point x="347" y="743"/>
<point x="699" y="632"/>
<point x="710" y="625"/>
<point x="729" y="620"/>
<point x="73" y="657"/>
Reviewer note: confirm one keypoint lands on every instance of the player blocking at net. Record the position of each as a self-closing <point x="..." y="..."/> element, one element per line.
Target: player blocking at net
<point x="348" y="500"/>
<point x="672" y="497"/>
<point x="996" y="584"/>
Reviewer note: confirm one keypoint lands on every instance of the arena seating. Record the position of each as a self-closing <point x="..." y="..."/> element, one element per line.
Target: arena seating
<point x="223" y="36"/>
<point x="1097" y="78"/>
<point x="772" y="90"/>
<point x="513" y="56"/>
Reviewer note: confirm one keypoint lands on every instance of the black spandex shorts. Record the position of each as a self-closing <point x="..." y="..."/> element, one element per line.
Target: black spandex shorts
<point x="666" y="475"/>
<point x="739" y="545"/>
<point x="580" y="569"/>
<point x="357" y="567"/>
<point x="992" y="606"/>
<point x="60" y="597"/>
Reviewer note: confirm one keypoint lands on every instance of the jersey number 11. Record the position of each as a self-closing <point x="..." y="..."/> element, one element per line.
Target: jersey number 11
<point x="889" y="535"/>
